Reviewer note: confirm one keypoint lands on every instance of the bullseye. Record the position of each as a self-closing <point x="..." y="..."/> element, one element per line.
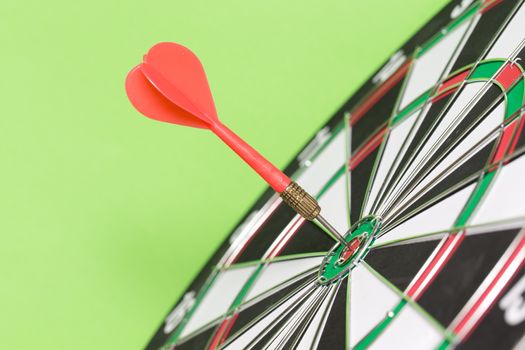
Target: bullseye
<point x="343" y="258"/>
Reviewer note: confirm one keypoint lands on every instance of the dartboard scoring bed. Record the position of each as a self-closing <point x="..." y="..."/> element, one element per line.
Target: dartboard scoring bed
<point x="424" y="167"/>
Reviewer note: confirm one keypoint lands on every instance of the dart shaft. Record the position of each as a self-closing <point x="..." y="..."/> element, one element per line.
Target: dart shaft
<point x="273" y="176"/>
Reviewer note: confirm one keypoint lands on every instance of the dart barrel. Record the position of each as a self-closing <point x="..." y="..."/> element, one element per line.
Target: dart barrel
<point x="301" y="201"/>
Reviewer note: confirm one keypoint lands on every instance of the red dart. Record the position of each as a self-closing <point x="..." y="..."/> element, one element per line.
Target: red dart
<point x="170" y="85"/>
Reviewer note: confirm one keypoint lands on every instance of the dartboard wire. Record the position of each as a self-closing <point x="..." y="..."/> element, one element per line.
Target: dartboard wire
<point x="174" y="337"/>
<point x="247" y="230"/>
<point x="303" y="287"/>
<point x="303" y="325"/>
<point x="326" y="312"/>
<point x="429" y="92"/>
<point x="497" y="136"/>
<point x="236" y="303"/>
<point x="305" y="312"/>
<point x="390" y="127"/>
<point x="489" y="46"/>
<point x="404" y="194"/>
<point x="403" y="189"/>
<point x="503" y="97"/>
<point x="339" y="127"/>
<point x="405" y="179"/>
<point x="494" y="135"/>
<point x="392" y="217"/>
<point x="307" y="292"/>
<point x="499" y="276"/>
<point x="435" y="235"/>
<point x="348" y="180"/>
<point x="391" y="314"/>
<point x="470" y="73"/>
<point x="400" y="72"/>
<point x="468" y="212"/>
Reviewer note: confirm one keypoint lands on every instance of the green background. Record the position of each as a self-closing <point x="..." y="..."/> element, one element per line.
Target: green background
<point x="106" y="216"/>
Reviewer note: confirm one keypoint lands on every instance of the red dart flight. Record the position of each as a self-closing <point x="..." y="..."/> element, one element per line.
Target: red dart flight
<point x="170" y="85"/>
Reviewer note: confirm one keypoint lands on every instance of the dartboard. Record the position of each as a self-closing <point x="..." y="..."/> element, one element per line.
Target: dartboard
<point x="424" y="169"/>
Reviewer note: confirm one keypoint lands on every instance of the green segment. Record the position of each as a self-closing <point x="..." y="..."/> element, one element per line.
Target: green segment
<point x="332" y="180"/>
<point x="369" y="339"/>
<point x="475" y="198"/>
<point x="444" y="345"/>
<point x="238" y="300"/>
<point x="418" y="102"/>
<point x="332" y="268"/>
<point x="486" y="70"/>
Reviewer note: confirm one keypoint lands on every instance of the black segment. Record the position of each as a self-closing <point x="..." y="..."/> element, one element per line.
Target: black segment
<point x="468" y="169"/>
<point x="399" y="264"/>
<point x="421" y="135"/>
<point x="308" y="239"/>
<point x="274" y="328"/>
<point x="359" y="178"/>
<point x="334" y="333"/>
<point x="480" y="110"/>
<point x="267" y="234"/>
<point x="464" y="273"/>
<point x="483" y="34"/>
<point x="252" y="312"/>
<point x="375" y="117"/>
<point x="506" y="317"/>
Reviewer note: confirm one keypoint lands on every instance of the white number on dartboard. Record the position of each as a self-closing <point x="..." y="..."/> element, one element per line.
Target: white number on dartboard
<point x="513" y="304"/>
<point x="458" y="9"/>
<point x="176" y="316"/>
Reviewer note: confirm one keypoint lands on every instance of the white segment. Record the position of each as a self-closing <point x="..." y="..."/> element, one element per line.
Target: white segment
<point x="245" y="338"/>
<point x="370" y="301"/>
<point x="409" y="330"/>
<point x="312" y="333"/>
<point x="489" y="125"/>
<point x="219" y="297"/>
<point x="325" y="165"/>
<point x="395" y="141"/>
<point x="512" y="36"/>
<point x="439" y="217"/>
<point x="505" y="197"/>
<point x="430" y="66"/>
<point x="278" y="272"/>
<point x="453" y="115"/>
<point x="335" y="205"/>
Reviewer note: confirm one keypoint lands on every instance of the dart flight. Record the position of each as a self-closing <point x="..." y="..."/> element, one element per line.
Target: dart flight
<point x="170" y="85"/>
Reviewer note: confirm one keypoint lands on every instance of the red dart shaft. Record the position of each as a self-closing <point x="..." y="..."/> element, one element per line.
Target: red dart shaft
<point x="273" y="176"/>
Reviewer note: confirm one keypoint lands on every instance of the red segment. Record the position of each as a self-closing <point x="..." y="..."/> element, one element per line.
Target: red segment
<point x="267" y="213"/>
<point x="489" y="4"/>
<point x="508" y="132"/>
<point x="445" y="94"/>
<point x="508" y="75"/>
<point x="517" y="135"/>
<point x="372" y="99"/>
<point x="489" y="296"/>
<point x="350" y="249"/>
<point x="417" y="288"/>
<point x="222" y="332"/>
<point x="366" y="149"/>
<point x="456" y="79"/>
<point x="283" y="239"/>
